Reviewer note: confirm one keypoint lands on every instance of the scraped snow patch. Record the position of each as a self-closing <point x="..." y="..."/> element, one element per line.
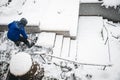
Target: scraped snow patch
<point x="46" y="39"/>
<point x="20" y="63"/>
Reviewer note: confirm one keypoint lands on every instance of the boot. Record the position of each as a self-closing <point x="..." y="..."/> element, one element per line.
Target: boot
<point x="30" y="44"/>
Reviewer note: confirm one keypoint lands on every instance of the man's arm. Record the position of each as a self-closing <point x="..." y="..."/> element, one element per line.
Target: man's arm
<point x="23" y="32"/>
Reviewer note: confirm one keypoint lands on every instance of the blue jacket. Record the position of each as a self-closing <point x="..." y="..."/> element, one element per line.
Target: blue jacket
<point x="15" y="29"/>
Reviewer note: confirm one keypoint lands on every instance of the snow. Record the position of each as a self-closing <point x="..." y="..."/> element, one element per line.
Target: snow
<point x="3" y="46"/>
<point x="61" y="15"/>
<point x="111" y="73"/>
<point x="91" y="48"/>
<point x="20" y="63"/>
<point x="65" y="48"/>
<point x="52" y="71"/>
<point x="58" y="45"/>
<point x="73" y="50"/>
<point x="3" y="2"/>
<point x="17" y="9"/>
<point x="46" y="39"/>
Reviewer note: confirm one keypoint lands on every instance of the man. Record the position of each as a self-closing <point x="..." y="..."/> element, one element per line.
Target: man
<point x="17" y="33"/>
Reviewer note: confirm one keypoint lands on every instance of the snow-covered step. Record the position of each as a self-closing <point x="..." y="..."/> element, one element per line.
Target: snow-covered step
<point x="46" y="39"/>
<point x="65" y="48"/>
<point x="58" y="45"/>
<point x="57" y="49"/>
<point x="73" y="50"/>
<point x="91" y="48"/>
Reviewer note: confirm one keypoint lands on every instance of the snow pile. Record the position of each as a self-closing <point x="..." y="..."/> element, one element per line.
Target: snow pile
<point x="52" y="71"/>
<point x="13" y="8"/>
<point x="20" y="64"/>
<point x="3" y="46"/>
<point x="4" y="43"/>
<point x="16" y="9"/>
<point x="111" y="3"/>
<point x="3" y="2"/>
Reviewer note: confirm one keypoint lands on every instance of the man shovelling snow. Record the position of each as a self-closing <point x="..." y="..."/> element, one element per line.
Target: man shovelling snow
<point x="17" y="33"/>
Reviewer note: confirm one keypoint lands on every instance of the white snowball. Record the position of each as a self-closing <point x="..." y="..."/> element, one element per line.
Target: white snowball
<point x="20" y="64"/>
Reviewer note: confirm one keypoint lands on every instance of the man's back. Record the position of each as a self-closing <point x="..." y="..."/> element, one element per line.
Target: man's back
<point x="13" y="32"/>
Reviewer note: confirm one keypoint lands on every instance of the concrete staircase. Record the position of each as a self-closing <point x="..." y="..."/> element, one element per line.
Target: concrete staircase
<point x="87" y="49"/>
<point x="91" y="48"/>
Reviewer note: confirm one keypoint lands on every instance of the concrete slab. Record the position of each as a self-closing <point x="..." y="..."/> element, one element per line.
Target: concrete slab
<point x="46" y="40"/>
<point x="61" y="15"/>
<point x="91" y="48"/>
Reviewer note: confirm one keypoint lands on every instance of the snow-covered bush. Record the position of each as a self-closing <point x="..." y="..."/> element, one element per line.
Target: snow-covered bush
<point x="111" y="3"/>
<point x="3" y="2"/>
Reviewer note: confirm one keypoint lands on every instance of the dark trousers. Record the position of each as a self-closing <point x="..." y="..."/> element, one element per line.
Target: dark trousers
<point x="22" y="39"/>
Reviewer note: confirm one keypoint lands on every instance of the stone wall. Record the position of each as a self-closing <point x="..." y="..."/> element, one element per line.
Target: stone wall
<point x="95" y="9"/>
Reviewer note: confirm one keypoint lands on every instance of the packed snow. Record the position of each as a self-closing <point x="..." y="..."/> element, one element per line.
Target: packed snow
<point x="47" y="39"/>
<point x="20" y="63"/>
<point x="90" y="34"/>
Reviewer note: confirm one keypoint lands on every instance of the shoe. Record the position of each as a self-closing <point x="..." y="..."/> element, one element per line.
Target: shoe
<point x="30" y="45"/>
